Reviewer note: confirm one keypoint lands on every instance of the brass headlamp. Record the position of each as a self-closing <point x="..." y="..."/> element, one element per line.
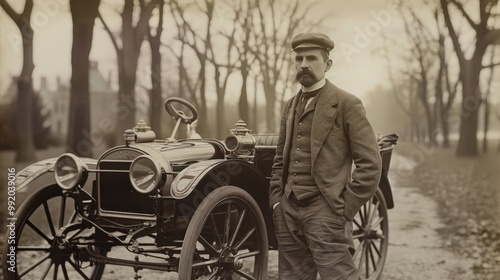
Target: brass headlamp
<point x="239" y="141"/>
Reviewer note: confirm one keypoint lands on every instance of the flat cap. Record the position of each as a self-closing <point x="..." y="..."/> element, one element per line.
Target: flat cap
<point x="312" y="40"/>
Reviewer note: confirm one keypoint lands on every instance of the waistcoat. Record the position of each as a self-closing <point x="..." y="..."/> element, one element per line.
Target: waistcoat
<point x="300" y="179"/>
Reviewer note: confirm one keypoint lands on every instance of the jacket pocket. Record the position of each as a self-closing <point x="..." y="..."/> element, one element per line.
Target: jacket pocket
<point x="336" y="129"/>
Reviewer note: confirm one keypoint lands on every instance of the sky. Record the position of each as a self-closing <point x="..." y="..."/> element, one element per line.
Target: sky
<point x="356" y="68"/>
<point x="357" y="27"/>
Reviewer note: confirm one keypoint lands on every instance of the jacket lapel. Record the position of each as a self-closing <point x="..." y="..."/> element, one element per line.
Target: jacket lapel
<point x="323" y="119"/>
<point x="309" y="107"/>
<point x="289" y="130"/>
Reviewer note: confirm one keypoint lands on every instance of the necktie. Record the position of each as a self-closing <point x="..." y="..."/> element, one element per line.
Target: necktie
<point x="303" y="102"/>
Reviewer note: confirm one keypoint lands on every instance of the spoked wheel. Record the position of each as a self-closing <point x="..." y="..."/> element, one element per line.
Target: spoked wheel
<point x="371" y="237"/>
<point x="39" y="253"/>
<point x="226" y="238"/>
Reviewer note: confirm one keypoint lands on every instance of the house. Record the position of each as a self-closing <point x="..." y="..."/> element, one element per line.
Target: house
<point x="102" y="96"/>
<point x="42" y="135"/>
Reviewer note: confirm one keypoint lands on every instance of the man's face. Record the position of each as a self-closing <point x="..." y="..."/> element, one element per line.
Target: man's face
<point x="310" y="66"/>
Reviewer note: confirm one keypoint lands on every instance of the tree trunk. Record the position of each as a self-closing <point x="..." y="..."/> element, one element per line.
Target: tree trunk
<point x="439" y="108"/>
<point x="243" y="103"/>
<point x="156" y="86"/>
<point x="83" y="13"/>
<point x="127" y="73"/>
<point x="255" y="106"/>
<point x="414" y="119"/>
<point x="467" y="143"/>
<point x="126" y="108"/>
<point x="486" y="124"/>
<point x="445" y="126"/>
<point x="127" y="56"/>
<point x="203" y="123"/>
<point x="220" y="119"/>
<point x="219" y="109"/>
<point x="24" y="132"/>
<point x="270" y="103"/>
<point x="470" y="70"/>
<point x="469" y="116"/>
<point x="156" y="90"/>
<point x="431" y="130"/>
<point x="25" y="147"/>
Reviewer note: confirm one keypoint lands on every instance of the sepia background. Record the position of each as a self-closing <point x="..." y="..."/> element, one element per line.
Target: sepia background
<point x="75" y="74"/>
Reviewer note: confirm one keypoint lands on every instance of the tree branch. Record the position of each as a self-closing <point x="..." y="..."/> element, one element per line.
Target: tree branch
<point x="28" y="7"/>
<point x="490" y="79"/>
<point x="493" y="37"/>
<point x="453" y="33"/>
<point x="142" y="24"/>
<point x="113" y="39"/>
<point x="8" y="9"/>
<point x="452" y="89"/>
<point x="464" y="13"/>
<point x="159" y="29"/>
<point x="493" y="65"/>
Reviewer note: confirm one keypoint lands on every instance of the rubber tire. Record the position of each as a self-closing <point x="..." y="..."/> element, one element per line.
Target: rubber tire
<point x="197" y="223"/>
<point x="384" y="227"/>
<point x="23" y="214"/>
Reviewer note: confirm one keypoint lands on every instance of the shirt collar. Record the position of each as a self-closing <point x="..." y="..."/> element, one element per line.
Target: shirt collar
<point x="316" y="86"/>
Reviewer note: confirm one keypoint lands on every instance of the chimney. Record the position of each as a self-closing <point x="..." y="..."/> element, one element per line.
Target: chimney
<point x="43" y="83"/>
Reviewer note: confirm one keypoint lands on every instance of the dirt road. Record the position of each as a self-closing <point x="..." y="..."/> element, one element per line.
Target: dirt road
<point x="416" y="250"/>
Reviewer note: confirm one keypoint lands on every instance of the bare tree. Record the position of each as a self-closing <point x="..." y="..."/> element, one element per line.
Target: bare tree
<point x="497" y="114"/>
<point x="422" y="54"/>
<point x="470" y="68"/>
<point x="197" y="86"/>
<point x="404" y="91"/>
<point x="25" y="148"/>
<point x="184" y="83"/>
<point x="83" y="13"/>
<point x="255" y="102"/>
<point x="223" y="64"/>
<point x="243" y="19"/>
<point x="273" y="32"/>
<point x="486" y="101"/>
<point x="131" y="37"/>
<point x="444" y="101"/>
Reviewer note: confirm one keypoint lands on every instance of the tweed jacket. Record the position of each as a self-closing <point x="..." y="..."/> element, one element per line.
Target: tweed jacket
<point x="340" y="136"/>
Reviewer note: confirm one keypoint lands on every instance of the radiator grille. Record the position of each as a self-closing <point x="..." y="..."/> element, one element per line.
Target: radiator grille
<point x="116" y="192"/>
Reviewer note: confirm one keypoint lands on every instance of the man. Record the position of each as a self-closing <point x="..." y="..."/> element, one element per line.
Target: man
<point x="313" y="193"/>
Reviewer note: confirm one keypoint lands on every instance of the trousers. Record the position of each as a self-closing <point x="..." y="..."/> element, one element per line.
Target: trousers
<point x="313" y="239"/>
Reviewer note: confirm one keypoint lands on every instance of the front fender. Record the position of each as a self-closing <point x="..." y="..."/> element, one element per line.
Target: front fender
<point x="38" y="169"/>
<point x="187" y="180"/>
<point x="385" y="187"/>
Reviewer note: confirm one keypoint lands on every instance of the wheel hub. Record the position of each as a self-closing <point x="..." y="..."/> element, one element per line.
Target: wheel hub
<point x="370" y="233"/>
<point x="61" y="251"/>
<point x="229" y="262"/>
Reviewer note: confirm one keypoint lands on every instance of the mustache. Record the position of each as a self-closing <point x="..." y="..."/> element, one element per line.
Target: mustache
<point x="303" y="72"/>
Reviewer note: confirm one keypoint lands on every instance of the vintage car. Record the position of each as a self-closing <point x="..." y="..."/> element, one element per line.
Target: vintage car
<point x="198" y="207"/>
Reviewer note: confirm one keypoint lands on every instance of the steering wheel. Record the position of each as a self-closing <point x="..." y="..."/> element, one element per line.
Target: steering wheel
<point x="178" y="114"/>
